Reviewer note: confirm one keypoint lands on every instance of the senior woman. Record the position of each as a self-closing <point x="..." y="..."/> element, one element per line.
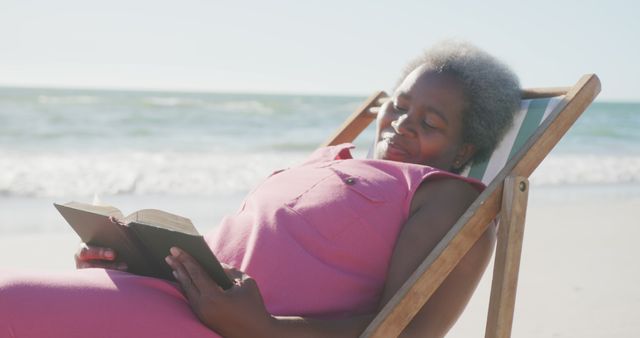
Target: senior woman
<point x="326" y="243"/>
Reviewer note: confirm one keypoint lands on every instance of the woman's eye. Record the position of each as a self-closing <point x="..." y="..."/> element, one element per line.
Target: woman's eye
<point x="432" y="123"/>
<point x="426" y="124"/>
<point x="399" y="109"/>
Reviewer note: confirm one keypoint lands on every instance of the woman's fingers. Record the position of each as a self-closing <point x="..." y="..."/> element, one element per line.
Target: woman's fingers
<point x="182" y="276"/>
<point x="97" y="257"/>
<point x="86" y="253"/>
<point x="232" y="272"/>
<point x="195" y="272"/>
<point x="121" y="266"/>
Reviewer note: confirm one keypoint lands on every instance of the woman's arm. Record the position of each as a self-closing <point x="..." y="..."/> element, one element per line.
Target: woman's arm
<point x="435" y="208"/>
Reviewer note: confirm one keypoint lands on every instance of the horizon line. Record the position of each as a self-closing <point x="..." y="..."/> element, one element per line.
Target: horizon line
<point x="256" y="92"/>
<point x="177" y="90"/>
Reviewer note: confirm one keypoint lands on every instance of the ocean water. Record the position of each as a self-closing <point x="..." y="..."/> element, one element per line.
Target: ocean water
<point x="63" y="144"/>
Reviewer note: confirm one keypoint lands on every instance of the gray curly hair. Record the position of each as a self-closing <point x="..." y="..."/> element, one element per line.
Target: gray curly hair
<point x="491" y="88"/>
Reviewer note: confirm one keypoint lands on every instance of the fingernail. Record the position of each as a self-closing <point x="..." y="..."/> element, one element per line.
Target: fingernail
<point x="168" y="260"/>
<point x="108" y="254"/>
<point x="174" y="251"/>
<point x="175" y="274"/>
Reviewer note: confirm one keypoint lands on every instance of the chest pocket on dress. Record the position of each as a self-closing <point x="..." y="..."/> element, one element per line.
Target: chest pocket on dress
<point x="334" y="203"/>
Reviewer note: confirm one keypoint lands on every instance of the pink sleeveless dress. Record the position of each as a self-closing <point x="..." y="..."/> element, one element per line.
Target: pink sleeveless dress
<point x="317" y="238"/>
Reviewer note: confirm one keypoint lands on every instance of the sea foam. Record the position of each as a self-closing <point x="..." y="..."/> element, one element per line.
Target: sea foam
<point x="211" y="173"/>
<point x="587" y="169"/>
<point x="137" y="173"/>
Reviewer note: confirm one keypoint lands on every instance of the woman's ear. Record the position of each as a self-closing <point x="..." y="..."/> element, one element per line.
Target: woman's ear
<point x="464" y="154"/>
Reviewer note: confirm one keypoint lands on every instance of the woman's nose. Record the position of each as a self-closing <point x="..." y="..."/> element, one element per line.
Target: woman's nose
<point x="402" y="125"/>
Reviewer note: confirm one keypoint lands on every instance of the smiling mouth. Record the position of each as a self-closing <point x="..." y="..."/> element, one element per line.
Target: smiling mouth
<point x="395" y="149"/>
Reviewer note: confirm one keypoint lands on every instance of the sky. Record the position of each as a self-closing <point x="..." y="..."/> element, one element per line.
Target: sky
<point x="307" y="47"/>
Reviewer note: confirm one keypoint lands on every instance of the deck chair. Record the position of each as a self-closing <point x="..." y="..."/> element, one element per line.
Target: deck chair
<point x="544" y="117"/>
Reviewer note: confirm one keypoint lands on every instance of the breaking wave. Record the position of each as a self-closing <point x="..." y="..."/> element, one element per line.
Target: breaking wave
<point x="211" y="173"/>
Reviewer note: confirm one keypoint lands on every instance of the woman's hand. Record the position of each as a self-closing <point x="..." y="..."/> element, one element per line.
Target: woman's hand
<point x="97" y="257"/>
<point x="236" y="312"/>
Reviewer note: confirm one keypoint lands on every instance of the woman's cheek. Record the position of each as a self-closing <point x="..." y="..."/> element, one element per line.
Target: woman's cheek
<point x="384" y="119"/>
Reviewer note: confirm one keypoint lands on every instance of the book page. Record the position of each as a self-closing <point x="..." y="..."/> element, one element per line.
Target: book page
<point x="105" y="210"/>
<point x="163" y="219"/>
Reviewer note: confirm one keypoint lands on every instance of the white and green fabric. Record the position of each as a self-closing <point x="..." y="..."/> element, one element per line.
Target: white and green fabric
<point x="531" y="114"/>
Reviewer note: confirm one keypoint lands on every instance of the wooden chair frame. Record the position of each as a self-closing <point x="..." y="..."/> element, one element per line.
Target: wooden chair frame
<point x="506" y="194"/>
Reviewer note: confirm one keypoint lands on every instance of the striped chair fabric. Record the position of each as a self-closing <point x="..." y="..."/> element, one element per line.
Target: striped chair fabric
<point x="531" y="114"/>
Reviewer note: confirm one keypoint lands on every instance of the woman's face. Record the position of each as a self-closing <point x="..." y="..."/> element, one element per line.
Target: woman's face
<point x="422" y="123"/>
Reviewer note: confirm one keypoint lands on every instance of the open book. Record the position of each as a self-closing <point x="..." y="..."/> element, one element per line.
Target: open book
<point x="142" y="239"/>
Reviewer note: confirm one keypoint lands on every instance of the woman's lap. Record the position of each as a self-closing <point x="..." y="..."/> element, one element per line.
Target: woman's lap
<point x="93" y="302"/>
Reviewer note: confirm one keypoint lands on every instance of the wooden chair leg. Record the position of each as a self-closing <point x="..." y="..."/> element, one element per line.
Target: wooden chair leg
<point x="507" y="260"/>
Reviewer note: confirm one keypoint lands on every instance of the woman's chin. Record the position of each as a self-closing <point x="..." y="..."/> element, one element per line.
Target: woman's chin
<point x="391" y="155"/>
<point x="384" y="152"/>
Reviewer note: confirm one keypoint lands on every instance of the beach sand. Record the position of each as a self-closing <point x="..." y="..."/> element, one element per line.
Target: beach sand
<point x="579" y="274"/>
